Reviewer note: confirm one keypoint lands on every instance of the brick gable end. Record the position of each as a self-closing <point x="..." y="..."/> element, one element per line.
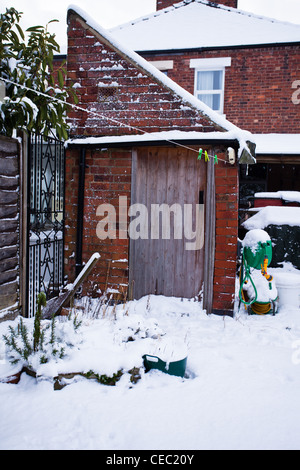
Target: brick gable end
<point x="112" y="89"/>
<point x="161" y="4"/>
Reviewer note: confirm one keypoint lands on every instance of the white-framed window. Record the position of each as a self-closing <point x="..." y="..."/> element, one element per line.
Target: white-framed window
<point x="210" y="81"/>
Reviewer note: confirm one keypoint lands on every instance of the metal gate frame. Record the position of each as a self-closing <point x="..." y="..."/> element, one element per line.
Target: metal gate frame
<point x="45" y="218"/>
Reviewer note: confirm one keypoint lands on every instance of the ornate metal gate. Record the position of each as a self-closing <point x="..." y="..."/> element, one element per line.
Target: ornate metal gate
<point x="45" y="240"/>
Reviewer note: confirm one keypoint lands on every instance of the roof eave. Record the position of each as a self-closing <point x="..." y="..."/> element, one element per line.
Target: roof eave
<point x="219" y="48"/>
<point x="234" y="143"/>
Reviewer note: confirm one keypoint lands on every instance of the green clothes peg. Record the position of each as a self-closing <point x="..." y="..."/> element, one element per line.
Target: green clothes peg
<point x="216" y="159"/>
<point x="200" y="154"/>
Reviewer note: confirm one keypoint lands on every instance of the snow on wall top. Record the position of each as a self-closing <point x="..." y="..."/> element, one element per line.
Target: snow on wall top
<point x="273" y="215"/>
<point x="164" y="136"/>
<point x="291" y="196"/>
<point x="193" y="24"/>
<point x="272" y="144"/>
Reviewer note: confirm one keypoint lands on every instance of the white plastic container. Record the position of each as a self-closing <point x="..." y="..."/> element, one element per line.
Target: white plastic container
<point x="288" y="286"/>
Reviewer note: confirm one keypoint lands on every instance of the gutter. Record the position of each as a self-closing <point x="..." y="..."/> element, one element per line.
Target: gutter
<point x="154" y="143"/>
<point x="247" y="151"/>
<point x="200" y="49"/>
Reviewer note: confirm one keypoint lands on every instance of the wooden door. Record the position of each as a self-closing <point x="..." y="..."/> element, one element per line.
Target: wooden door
<point x="167" y="262"/>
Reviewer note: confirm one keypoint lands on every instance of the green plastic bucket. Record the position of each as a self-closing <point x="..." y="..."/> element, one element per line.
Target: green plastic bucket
<point x="172" y="368"/>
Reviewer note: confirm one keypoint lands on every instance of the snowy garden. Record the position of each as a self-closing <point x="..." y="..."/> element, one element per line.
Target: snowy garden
<point x="90" y="389"/>
<point x="158" y="372"/>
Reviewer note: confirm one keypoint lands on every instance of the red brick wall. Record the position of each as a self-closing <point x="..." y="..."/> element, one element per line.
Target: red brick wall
<point x="258" y="85"/>
<point x="227" y="190"/>
<point x="108" y="176"/>
<point x="160" y="4"/>
<point x="228" y="3"/>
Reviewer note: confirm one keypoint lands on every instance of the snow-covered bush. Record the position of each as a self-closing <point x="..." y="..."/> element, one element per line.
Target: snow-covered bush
<point x="34" y="99"/>
<point x="35" y="341"/>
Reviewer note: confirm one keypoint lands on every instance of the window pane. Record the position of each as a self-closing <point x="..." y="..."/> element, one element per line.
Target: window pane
<point x="205" y="81"/>
<point x="210" y="80"/>
<point x="212" y="100"/>
<point x="207" y="99"/>
<point x="218" y="79"/>
<point x="216" y="102"/>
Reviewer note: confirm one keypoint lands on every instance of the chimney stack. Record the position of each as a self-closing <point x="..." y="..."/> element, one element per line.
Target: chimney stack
<point x="160" y="4"/>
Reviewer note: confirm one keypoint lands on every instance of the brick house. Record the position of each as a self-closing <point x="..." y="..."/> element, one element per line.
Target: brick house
<point x="242" y="65"/>
<point x="135" y="138"/>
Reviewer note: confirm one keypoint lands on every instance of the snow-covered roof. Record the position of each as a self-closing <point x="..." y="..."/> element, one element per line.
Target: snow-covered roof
<point x="192" y="24"/>
<point x="277" y="144"/>
<point x="220" y="121"/>
<point x="165" y="136"/>
<point x="274" y="215"/>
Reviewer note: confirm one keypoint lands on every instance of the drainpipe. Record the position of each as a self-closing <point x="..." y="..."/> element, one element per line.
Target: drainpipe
<point x="80" y="208"/>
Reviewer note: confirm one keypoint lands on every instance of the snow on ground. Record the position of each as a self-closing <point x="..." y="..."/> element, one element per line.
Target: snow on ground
<point x="241" y="390"/>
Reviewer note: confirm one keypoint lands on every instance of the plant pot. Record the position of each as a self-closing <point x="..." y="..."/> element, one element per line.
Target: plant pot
<point x="176" y="368"/>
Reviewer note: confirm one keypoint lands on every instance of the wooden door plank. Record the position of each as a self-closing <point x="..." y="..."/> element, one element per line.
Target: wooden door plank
<point x="167" y="175"/>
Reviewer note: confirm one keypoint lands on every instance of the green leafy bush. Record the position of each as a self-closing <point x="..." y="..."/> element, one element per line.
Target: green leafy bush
<point x="35" y="100"/>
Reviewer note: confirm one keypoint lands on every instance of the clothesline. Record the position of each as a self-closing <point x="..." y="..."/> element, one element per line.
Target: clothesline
<point x="122" y="124"/>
